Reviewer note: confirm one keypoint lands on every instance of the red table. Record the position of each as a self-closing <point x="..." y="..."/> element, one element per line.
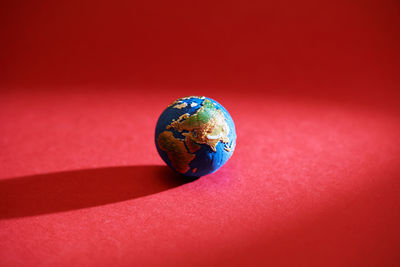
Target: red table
<point x="312" y="86"/>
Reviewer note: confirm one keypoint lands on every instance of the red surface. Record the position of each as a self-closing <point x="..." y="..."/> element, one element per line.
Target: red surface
<point x="311" y="85"/>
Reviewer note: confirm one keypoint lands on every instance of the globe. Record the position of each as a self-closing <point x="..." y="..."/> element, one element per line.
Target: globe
<point x="195" y="136"/>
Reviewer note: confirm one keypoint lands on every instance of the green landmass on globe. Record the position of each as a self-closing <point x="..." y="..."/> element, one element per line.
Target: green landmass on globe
<point x="206" y="126"/>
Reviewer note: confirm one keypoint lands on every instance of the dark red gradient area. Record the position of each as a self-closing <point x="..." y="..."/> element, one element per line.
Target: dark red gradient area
<point x="313" y="88"/>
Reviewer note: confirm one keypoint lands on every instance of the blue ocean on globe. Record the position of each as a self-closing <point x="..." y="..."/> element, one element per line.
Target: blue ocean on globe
<point x="195" y="136"/>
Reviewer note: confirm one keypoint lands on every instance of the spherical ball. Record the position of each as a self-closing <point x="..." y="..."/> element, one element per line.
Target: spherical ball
<point x="195" y="136"/>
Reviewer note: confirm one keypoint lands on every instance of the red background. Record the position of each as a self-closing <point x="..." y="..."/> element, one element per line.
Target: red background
<point x="313" y="87"/>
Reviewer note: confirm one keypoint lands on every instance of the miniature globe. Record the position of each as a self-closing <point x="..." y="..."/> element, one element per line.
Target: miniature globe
<point x="195" y="136"/>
